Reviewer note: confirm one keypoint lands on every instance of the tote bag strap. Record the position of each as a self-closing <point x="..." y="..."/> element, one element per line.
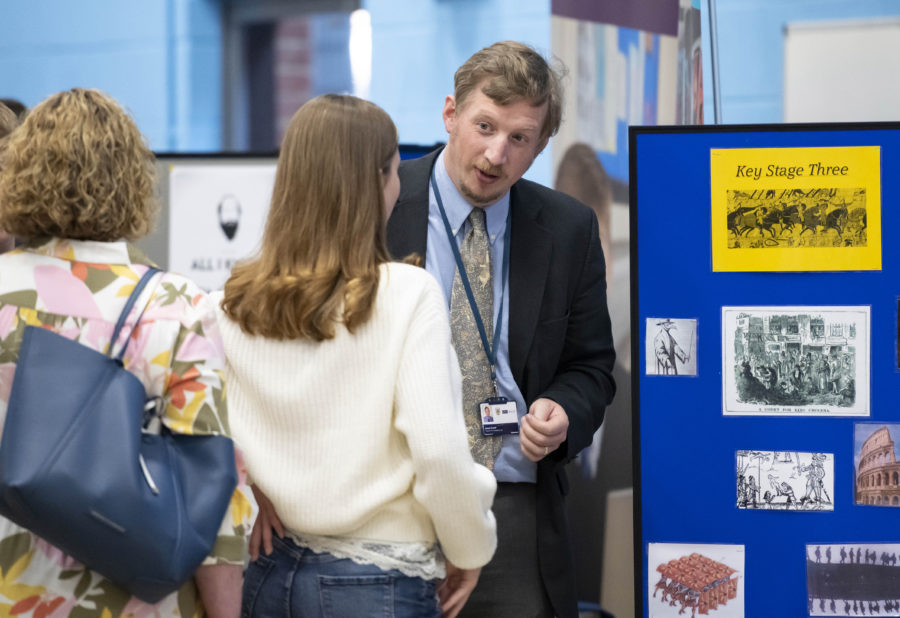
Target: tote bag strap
<point x="129" y="304"/>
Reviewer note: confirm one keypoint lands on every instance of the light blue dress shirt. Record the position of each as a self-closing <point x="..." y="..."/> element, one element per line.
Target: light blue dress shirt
<point x="510" y="465"/>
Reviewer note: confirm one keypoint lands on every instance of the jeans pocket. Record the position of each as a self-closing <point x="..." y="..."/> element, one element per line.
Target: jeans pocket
<point x="365" y="596"/>
<point x="254" y="577"/>
<point x="416" y="598"/>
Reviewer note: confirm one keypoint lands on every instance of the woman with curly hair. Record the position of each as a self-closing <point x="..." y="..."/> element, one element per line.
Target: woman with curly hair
<point x="345" y="393"/>
<point x="76" y="183"/>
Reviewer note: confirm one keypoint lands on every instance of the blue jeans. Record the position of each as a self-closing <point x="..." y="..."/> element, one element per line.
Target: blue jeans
<point x="295" y="581"/>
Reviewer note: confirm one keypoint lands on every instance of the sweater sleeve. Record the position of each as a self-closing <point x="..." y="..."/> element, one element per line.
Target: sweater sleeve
<point x="456" y="492"/>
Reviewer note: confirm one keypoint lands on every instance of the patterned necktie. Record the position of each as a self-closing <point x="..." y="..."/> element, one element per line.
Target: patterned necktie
<point x="473" y="362"/>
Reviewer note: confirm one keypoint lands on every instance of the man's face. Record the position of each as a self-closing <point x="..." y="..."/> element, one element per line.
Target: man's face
<point x="490" y="146"/>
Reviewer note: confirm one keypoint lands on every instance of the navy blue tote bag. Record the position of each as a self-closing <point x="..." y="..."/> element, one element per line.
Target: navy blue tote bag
<point x="77" y="468"/>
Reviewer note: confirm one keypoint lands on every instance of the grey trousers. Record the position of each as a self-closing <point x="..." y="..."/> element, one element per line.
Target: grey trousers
<point x="510" y="584"/>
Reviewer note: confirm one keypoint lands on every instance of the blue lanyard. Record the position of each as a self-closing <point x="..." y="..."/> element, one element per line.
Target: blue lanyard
<point x="489" y="350"/>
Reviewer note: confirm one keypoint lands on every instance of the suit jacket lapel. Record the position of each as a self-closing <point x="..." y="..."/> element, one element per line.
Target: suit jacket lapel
<point x="529" y="261"/>
<point x="407" y="228"/>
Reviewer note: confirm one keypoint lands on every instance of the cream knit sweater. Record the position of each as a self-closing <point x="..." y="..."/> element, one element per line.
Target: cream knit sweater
<point x="362" y="436"/>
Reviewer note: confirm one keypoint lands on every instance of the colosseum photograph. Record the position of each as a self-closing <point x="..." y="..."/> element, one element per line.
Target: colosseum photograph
<point x="877" y="476"/>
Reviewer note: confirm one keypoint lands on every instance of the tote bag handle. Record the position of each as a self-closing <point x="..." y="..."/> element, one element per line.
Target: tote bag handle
<point x="129" y="304"/>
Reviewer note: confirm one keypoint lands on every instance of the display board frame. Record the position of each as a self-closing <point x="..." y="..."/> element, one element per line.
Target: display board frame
<point x="156" y="244"/>
<point x="686" y="471"/>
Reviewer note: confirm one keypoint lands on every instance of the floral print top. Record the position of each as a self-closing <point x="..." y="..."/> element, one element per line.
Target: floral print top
<point x="78" y="289"/>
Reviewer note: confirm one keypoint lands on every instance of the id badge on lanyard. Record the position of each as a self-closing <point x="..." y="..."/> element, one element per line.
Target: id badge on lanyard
<point x="498" y="414"/>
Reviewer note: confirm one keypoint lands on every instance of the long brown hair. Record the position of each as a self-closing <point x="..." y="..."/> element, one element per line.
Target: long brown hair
<point x="324" y="240"/>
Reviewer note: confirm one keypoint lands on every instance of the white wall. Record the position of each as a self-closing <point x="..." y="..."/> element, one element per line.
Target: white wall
<point x="842" y="71"/>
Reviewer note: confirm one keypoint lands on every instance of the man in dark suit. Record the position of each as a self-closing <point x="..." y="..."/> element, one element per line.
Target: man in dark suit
<point x="553" y="352"/>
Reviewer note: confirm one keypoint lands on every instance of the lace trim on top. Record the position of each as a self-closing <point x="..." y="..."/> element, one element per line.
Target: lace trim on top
<point x="412" y="559"/>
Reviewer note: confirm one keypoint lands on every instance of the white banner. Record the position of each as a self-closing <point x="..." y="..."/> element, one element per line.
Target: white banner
<point x="217" y="215"/>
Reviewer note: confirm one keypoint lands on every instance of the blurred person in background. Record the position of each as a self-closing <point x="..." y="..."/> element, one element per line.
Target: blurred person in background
<point x="368" y="499"/>
<point x="15" y="106"/>
<point x="8" y="122"/>
<point x="606" y="464"/>
<point x="76" y="184"/>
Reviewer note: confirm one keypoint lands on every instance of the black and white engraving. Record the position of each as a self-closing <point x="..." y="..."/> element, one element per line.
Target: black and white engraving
<point x="706" y="579"/>
<point x="803" y="361"/>
<point x="671" y="347"/>
<point x="853" y="579"/>
<point x="786" y="218"/>
<point x="877" y="471"/>
<point x="785" y="480"/>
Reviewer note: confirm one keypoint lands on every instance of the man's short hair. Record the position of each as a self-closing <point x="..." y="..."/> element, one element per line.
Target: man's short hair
<point x="514" y="72"/>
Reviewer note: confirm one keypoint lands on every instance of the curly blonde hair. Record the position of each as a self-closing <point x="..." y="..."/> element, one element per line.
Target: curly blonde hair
<point x="77" y="168"/>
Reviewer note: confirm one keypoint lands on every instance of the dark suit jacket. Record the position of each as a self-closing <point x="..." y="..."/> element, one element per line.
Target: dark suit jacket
<point x="560" y="342"/>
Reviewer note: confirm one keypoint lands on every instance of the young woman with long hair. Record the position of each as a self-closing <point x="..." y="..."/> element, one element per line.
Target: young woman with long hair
<point x="344" y="392"/>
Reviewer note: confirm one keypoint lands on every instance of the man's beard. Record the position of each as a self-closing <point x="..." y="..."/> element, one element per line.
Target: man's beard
<point x="481" y="200"/>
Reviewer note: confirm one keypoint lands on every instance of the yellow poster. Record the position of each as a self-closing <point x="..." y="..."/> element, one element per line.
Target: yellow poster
<point x="792" y="209"/>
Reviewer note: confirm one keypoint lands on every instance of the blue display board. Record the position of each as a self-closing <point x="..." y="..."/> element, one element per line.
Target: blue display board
<point x="685" y="447"/>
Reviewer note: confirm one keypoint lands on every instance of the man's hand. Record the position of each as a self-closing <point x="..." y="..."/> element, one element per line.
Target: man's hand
<point x="543" y="429"/>
<point x="456" y="588"/>
<point x="266" y="521"/>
